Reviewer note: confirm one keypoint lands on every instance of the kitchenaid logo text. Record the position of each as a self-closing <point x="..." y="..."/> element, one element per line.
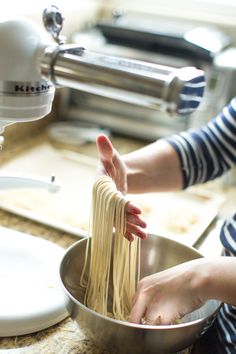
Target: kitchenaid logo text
<point x="22" y="88"/>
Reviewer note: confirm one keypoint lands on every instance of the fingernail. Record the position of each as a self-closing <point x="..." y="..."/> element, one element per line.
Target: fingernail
<point x="143" y="224"/>
<point x="130" y="237"/>
<point x="136" y="211"/>
<point x="141" y="235"/>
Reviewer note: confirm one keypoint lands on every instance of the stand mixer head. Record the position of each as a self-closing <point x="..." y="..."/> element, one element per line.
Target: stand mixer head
<point x="25" y="95"/>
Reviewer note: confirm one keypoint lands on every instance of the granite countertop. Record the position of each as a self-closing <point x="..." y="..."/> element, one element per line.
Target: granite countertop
<point x="64" y="337"/>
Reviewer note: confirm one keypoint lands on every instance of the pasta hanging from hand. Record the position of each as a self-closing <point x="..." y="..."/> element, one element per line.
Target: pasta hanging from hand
<point x="112" y="255"/>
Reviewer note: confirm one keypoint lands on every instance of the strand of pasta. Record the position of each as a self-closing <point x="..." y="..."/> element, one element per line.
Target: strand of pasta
<point x="107" y="216"/>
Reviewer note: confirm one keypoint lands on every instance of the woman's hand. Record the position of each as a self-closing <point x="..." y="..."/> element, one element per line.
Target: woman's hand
<point x="113" y="166"/>
<point x="167" y="296"/>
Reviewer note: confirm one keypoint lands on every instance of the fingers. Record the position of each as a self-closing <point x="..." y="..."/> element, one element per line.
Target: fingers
<point x="105" y="147"/>
<point x="109" y="169"/>
<point x="106" y="152"/>
<point x="136" y="220"/>
<point x="134" y="223"/>
<point x="133" y="209"/>
<point x="146" y="311"/>
<point x="139" y="308"/>
<point x="120" y="176"/>
<point x="160" y="299"/>
<point x="136" y="230"/>
<point x="133" y="230"/>
<point x="157" y="315"/>
<point x="152" y="316"/>
<point x="129" y="236"/>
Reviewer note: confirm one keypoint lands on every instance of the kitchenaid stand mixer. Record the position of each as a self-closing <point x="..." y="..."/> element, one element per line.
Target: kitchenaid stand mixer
<point x="32" y="64"/>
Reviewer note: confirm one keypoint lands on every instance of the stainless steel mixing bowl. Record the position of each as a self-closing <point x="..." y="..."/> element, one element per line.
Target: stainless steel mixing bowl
<point x="157" y="253"/>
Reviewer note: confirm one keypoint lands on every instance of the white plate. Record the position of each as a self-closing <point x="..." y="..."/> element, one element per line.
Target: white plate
<point x="31" y="298"/>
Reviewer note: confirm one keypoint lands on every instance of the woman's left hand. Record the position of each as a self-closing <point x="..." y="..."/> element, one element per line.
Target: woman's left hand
<point x="112" y="165"/>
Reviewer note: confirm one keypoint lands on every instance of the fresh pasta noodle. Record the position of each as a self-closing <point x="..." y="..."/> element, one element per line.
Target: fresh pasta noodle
<point x="113" y="258"/>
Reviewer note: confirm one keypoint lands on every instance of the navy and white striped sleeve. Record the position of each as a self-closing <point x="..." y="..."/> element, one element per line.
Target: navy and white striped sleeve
<point x="210" y="151"/>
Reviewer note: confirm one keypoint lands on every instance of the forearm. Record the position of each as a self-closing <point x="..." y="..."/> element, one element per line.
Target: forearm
<point x="154" y="168"/>
<point x="217" y="279"/>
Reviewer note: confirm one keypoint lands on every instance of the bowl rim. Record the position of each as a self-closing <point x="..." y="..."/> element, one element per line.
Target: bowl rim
<point x="130" y="324"/>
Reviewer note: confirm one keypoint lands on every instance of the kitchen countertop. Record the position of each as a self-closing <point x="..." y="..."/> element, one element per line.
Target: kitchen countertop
<point x="64" y="337"/>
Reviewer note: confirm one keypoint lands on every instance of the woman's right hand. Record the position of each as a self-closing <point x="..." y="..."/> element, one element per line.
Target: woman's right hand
<point x="112" y="165"/>
<point x="162" y="298"/>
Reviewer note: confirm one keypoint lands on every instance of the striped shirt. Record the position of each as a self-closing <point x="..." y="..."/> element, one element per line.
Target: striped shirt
<point x="206" y="154"/>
